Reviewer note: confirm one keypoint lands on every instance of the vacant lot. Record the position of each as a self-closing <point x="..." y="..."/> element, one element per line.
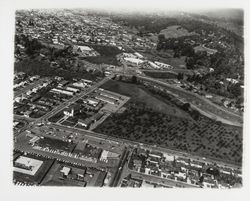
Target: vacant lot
<point x="142" y="95"/>
<point x="204" y="137"/>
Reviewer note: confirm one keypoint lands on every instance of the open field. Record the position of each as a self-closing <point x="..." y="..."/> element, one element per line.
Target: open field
<point x="177" y="62"/>
<point x="205" y="137"/>
<point x="166" y="57"/>
<point x="103" y="60"/>
<point x="175" y="32"/>
<point x="201" y="104"/>
<point x="107" y="55"/>
<point x="140" y="94"/>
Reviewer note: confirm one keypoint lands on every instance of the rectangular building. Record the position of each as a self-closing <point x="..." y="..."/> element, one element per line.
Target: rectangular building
<point x="106" y="99"/>
<point x="62" y="91"/>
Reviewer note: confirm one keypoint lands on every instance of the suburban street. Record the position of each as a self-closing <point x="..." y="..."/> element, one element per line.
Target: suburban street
<point x="142" y="145"/>
<point x="128" y="99"/>
<point x="30" y="86"/>
<point x="102" y="136"/>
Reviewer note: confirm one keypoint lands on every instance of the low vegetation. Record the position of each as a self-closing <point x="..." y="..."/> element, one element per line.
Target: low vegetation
<point x="141" y="94"/>
<point x="204" y="137"/>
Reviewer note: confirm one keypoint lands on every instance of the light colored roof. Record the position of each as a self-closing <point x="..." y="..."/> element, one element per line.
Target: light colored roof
<point x="104" y="154"/>
<point x="28" y="162"/>
<point x="84" y="48"/>
<point x="65" y="170"/>
<point x="133" y="60"/>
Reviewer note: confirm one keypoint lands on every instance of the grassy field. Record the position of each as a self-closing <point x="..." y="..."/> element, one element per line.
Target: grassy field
<point x="140" y="94"/>
<point x="166" y="57"/>
<point x="175" y="32"/>
<point x="149" y="119"/>
<point x="111" y="60"/>
<point x="204" y="105"/>
<point x="107" y="55"/>
<point x="177" y="62"/>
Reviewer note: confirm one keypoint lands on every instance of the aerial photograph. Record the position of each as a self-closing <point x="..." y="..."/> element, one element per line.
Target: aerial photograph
<point x="128" y="99"/>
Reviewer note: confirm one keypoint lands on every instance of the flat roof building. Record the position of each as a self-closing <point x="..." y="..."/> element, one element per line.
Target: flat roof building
<point x="65" y="171"/>
<point x="27" y="165"/>
<point x="85" y="122"/>
<point x="106" y="99"/>
<point x="110" y="95"/>
<point x="62" y="91"/>
<point x="72" y="89"/>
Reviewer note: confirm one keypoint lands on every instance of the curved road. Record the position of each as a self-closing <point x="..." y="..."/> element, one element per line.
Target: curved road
<point x="204" y="106"/>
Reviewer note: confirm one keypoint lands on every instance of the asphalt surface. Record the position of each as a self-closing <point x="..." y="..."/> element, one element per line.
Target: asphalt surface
<point x="27" y="88"/>
<point x="146" y="146"/>
<point x="120" y="167"/>
<point x="73" y="99"/>
<point x="204" y="101"/>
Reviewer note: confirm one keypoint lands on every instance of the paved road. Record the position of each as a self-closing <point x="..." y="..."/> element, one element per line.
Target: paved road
<point x="174" y="71"/>
<point x="120" y="167"/>
<point x="21" y="117"/>
<point x="125" y="141"/>
<point x="146" y="146"/>
<point x="70" y="101"/>
<point x="72" y="160"/>
<point x="27" y="88"/>
<point x="233" y="118"/>
<point x="211" y="110"/>
<point x="154" y="179"/>
<point x="44" y="118"/>
<point x="163" y="181"/>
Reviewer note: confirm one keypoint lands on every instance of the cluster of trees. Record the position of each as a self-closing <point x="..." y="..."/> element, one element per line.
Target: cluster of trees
<point x="69" y="66"/>
<point x="178" y="45"/>
<point x="143" y="124"/>
<point x="36" y="67"/>
<point x="211" y="84"/>
<point x="32" y="45"/>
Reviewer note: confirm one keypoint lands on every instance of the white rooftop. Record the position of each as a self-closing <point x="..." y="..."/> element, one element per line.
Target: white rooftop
<point x="133" y="60"/>
<point x="65" y="170"/>
<point x="28" y="162"/>
<point x="84" y="48"/>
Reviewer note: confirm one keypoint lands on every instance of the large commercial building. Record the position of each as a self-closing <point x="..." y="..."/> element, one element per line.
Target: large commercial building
<point x="106" y="99"/>
<point x="27" y="165"/>
<point x="62" y="91"/>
